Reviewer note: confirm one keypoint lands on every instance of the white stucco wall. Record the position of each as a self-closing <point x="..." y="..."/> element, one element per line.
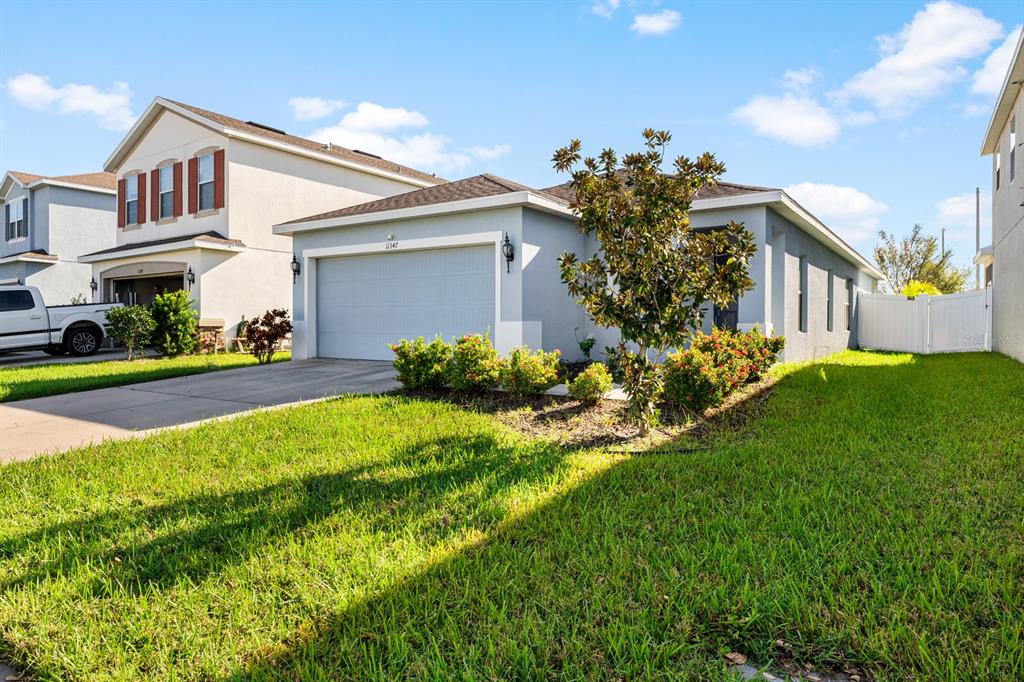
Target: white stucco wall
<point x="1008" y="243"/>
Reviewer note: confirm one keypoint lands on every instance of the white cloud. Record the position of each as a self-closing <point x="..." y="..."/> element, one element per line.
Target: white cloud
<point x="605" y="8"/>
<point x="112" y="108"/>
<point x="374" y="117"/>
<point x="989" y="78"/>
<point x="800" y="79"/>
<point x="923" y="58"/>
<point x="956" y="214"/>
<point x="490" y="152"/>
<point x="376" y="129"/>
<point x="657" y="24"/>
<point x="972" y="109"/>
<point x="796" y="119"/>
<point x="852" y="214"/>
<point x="308" y="108"/>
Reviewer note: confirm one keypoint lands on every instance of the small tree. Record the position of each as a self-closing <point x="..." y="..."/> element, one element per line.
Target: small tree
<point x="131" y="326"/>
<point x="652" y="274"/>
<point x="265" y="334"/>
<point x="176" y="325"/>
<point x="917" y="257"/>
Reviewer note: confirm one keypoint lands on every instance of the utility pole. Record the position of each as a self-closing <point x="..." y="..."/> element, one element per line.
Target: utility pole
<point x="943" y="252"/>
<point x="977" y="235"/>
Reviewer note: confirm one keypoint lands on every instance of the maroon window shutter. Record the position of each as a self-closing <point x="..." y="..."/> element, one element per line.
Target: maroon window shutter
<point x="177" y="189"/>
<point x="142" y="198"/>
<point x="193" y="185"/>
<point x="218" y="179"/>
<point x="121" y="187"/>
<point x="154" y="195"/>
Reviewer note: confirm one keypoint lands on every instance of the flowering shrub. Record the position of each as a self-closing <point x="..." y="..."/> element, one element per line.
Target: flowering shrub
<point x="694" y="380"/>
<point x="266" y="333"/>
<point x="716" y="364"/>
<point x="523" y="373"/>
<point x="474" y="365"/>
<point x="420" y="364"/>
<point x="745" y="356"/>
<point x="591" y="384"/>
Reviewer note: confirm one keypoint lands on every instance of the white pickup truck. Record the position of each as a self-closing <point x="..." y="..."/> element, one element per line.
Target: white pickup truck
<point x="26" y="323"/>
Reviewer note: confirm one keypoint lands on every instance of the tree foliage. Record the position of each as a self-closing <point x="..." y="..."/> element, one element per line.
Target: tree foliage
<point x="266" y="333"/>
<point x="131" y="326"/>
<point x="915" y="288"/>
<point x="177" y="327"/>
<point x="918" y="257"/>
<point x="652" y="274"/>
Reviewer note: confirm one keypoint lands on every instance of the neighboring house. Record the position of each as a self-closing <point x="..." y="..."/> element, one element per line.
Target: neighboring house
<point x="197" y="196"/>
<point x="1003" y="141"/>
<point x="48" y="223"/>
<point x="432" y="262"/>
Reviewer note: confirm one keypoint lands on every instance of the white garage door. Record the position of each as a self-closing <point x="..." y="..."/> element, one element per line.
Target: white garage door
<point x="366" y="302"/>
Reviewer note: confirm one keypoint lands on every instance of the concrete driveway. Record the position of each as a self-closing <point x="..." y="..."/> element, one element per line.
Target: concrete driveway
<point x="41" y="425"/>
<point x="38" y="357"/>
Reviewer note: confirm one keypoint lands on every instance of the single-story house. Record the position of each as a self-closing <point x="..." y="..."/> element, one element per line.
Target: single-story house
<point x="49" y="221"/>
<point x="432" y="261"/>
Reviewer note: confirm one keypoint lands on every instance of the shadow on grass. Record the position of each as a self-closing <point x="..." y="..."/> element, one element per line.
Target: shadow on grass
<point x="135" y="550"/>
<point x="657" y="565"/>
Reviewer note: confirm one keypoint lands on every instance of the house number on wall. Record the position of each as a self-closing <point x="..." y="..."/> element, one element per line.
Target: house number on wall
<point x="388" y="246"/>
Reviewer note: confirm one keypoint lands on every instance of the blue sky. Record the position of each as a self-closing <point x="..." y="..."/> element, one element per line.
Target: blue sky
<point x="872" y="113"/>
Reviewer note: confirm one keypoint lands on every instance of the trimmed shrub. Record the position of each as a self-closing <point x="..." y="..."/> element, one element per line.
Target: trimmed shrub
<point x="131" y="326"/>
<point x="694" y="380"/>
<point x="591" y="384"/>
<point x="420" y="364"/>
<point x="744" y="356"/>
<point x="177" y="327"/>
<point x="474" y="365"/>
<point x="266" y="334"/>
<point x="523" y="373"/>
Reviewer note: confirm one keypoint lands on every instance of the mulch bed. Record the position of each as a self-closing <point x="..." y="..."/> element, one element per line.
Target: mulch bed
<point x="575" y="425"/>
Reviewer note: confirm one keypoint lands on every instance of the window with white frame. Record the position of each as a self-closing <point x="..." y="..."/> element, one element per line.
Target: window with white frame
<point x="131" y="200"/>
<point x="16" y="227"/>
<point x="1013" y="147"/>
<point x="999" y="159"/>
<point x="205" y="182"/>
<point x="166" y="180"/>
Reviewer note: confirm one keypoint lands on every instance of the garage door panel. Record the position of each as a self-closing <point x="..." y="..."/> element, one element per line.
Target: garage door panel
<point x="366" y="302"/>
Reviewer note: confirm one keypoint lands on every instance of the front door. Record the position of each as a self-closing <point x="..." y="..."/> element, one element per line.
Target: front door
<point x="21" y="322"/>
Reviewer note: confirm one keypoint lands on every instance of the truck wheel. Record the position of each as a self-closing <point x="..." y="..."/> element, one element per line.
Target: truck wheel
<point x="82" y="341"/>
<point x="54" y="350"/>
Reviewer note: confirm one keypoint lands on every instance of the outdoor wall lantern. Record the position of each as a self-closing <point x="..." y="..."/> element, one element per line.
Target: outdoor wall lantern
<point x="296" y="269"/>
<point x="509" y="252"/>
<point x="190" y="277"/>
<point x="93" y="286"/>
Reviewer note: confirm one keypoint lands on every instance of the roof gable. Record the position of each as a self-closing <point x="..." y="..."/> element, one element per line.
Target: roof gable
<point x="105" y="182"/>
<point x="259" y="134"/>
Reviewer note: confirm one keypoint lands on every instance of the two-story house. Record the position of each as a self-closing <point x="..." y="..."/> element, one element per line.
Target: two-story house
<point x="197" y="196"/>
<point x="48" y="223"/>
<point x="1005" y="257"/>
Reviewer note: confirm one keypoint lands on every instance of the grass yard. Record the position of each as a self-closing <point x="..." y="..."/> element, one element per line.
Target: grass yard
<point x="36" y="381"/>
<point x="871" y="517"/>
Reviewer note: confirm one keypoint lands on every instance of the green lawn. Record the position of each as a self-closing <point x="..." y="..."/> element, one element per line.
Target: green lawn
<point x="874" y="516"/>
<point x="36" y="381"/>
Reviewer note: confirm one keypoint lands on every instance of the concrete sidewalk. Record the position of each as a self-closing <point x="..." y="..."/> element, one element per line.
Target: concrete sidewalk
<point x="42" y="425"/>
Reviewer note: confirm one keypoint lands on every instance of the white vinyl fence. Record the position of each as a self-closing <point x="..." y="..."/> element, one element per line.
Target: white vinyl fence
<point x="952" y="323"/>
